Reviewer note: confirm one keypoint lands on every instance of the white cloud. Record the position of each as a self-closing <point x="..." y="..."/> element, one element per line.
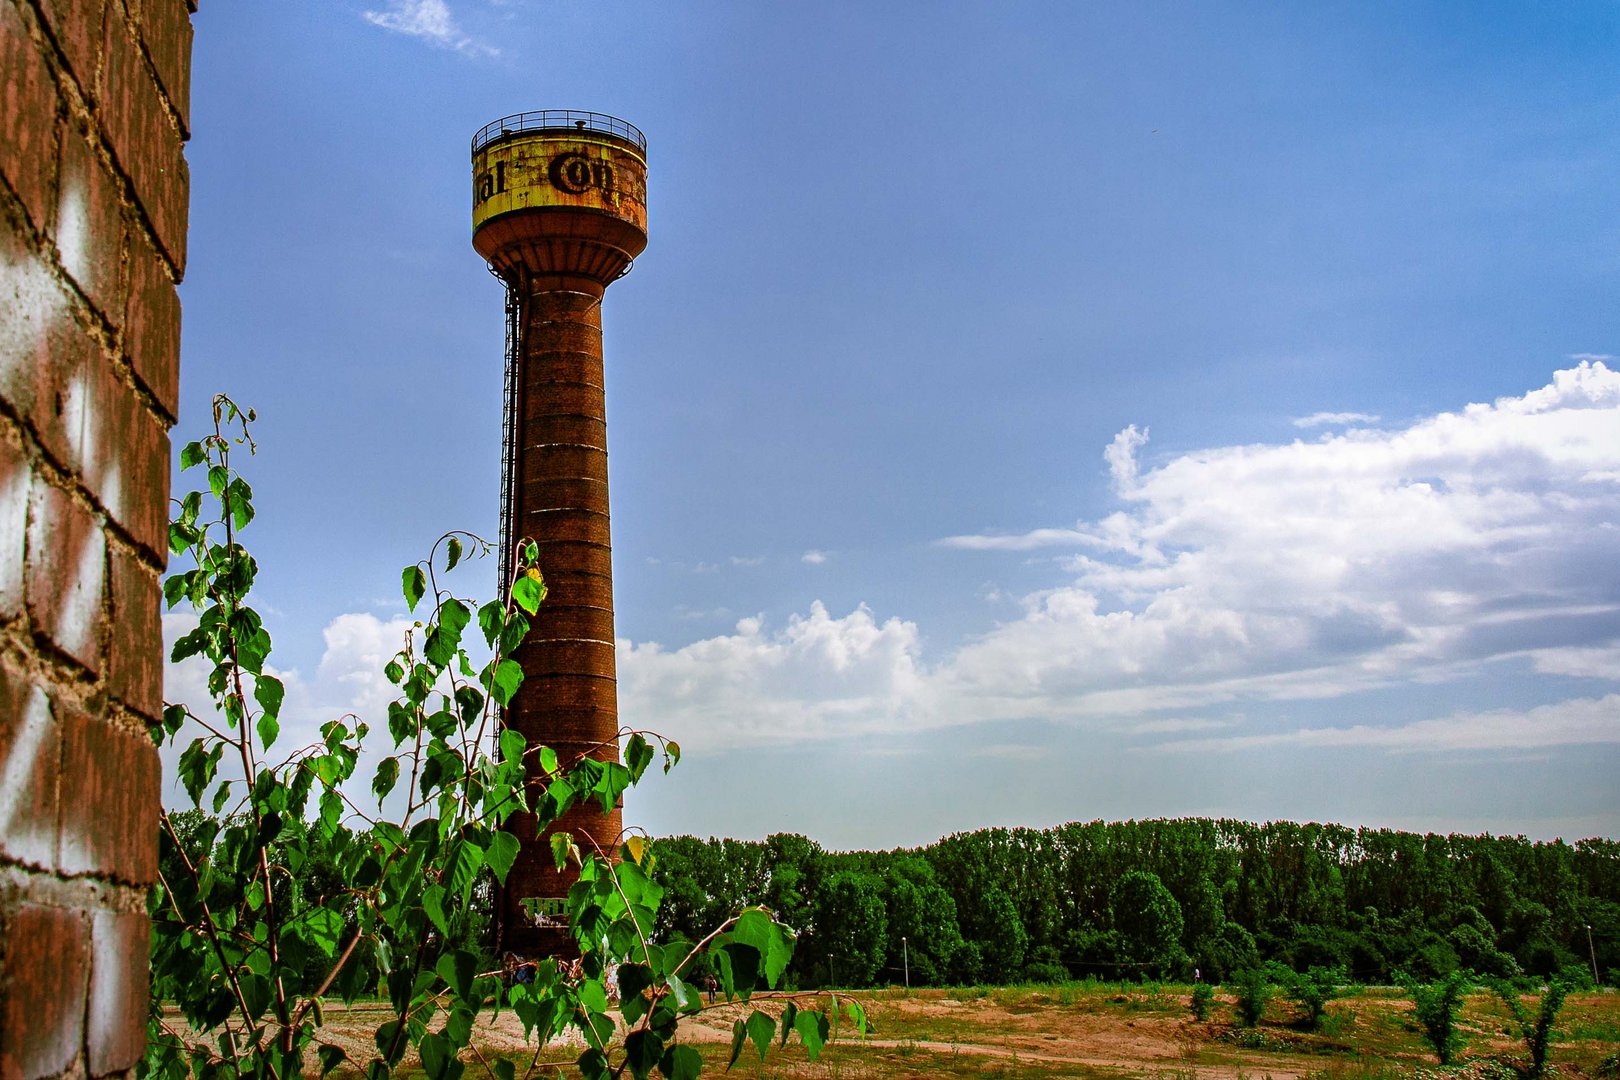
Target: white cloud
<point x="1576" y="722"/>
<point x="814" y="558"/>
<point x="1310" y="570"/>
<point x="431" y="21"/>
<point x="818" y="676"/>
<point x="348" y="681"/>
<point x="1334" y="419"/>
<point x="1299" y="571"/>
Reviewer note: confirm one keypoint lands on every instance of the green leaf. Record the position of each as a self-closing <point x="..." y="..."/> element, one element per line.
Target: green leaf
<point x="642" y="1051"/>
<point x="321" y="928"/>
<point x="414" y="583"/>
<point x="458" y="969"/>
<point x="504" y="1069"/>
<point x="491" y="618"/>
<point x="239" y="502"/>
<point x="561" y="844"/>
<point x="512" y="745"/>
<point x="790" y="1013"/>
<point x="503" y="850"/>
<point x="268" y="729"/>
<point x="331" y="1057"/>
<point x="593" y="1064"/>
<point x="191" y="454"/>
<point x="508" y="676"/>
<point x="528" y="590"/>
<point x="761" y="1029"/>
<point x="469" y="860"/>
<point x="433" y="904"/>
<point x="812" y="1028"/>
<point x="637" y="756"/>
<point x="739" y="1035"/>
<point x="681" y="1063"/>
<point x="268" y="692"/>
<point x="387" y="776"/>
<point x="452" y="553"/>
<point x="218" y="478"/>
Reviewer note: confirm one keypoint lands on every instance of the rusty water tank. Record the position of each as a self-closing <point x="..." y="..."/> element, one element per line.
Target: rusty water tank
<point x="559" y="213"/>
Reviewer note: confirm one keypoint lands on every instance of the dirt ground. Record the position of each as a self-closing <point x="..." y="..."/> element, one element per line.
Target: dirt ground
<point x="1085" y="1031"/>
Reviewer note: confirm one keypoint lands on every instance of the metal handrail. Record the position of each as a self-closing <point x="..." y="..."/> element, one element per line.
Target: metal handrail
<point x="558" y="119"/>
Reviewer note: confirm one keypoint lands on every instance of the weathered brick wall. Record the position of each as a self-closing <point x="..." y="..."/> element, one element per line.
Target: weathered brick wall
<point x="93" y="197"/>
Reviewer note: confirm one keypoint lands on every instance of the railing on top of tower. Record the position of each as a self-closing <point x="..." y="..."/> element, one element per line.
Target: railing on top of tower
<point x="558" y="120"/>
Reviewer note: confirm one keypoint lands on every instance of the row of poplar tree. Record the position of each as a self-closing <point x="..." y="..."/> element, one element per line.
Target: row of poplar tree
<point x="1163" y="899"/>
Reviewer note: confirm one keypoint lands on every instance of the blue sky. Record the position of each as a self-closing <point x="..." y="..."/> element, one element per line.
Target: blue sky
<point x="1022" y="413"/>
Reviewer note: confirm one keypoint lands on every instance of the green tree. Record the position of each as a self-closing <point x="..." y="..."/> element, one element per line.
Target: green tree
<point x="850" y="930"/>
<point x="1148" y="921"/>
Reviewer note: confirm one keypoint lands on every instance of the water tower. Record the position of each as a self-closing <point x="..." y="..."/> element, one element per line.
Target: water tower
<point x="559" y="213"/>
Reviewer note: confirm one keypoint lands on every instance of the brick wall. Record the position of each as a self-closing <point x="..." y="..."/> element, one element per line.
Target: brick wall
<point x="93" y="198"/>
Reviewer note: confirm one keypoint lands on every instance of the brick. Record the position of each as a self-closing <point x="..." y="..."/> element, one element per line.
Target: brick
<point x="96" y="426"/>
<point x="145" y="141"/>
<point x="66" y="574"/>
<point x="76" y="26"/>
<point x="166" y="33"/>
<point x="109" y="800"/>
<point x="42" y="996"/>
<point x="28" y="116"/>
<point x="41" y="342"/>
<point x="134" y="665"/>
<point x="152" y="325"/>
<point x="115" y="1027"/>
<point x="15" y="477"/>
<point x="123" y="456"/>
<point x="88" y="229"/>
<point x="30" y="749"/>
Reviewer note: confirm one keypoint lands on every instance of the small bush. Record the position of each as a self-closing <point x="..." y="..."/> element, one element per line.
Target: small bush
<point x="1535" y="1027"/>
<point x="1203" y="996"/>
<point x="1253" y="988"/>
<point x="1312" y="990"/>
<point x="1436" y="1005"/>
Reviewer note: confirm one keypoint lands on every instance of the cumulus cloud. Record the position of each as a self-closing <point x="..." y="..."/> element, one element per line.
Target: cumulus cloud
<point x="1475" y="540"/>
<point x="348" y="681"/>
<point x="1334" y="419"/>
<point x="430" y="21"/>
<point x="1315" y="569"/>
<point x="1298" y="571"/>
<point x="814" y="558"/>
<point x="817" y="676"/>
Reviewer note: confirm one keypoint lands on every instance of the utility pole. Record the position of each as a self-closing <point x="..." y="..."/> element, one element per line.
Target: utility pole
<point x="1590" y="951"/>
<point x="905" y="954"/>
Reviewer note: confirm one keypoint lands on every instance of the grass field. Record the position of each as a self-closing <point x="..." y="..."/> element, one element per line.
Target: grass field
<point x="1096" y="1030"/>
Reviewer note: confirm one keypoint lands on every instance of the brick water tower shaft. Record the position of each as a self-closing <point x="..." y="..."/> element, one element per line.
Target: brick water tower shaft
<point x="559" y="213"/>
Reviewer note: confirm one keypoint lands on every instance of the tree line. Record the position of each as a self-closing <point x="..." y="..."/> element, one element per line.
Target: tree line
<point x="1164" y="899"/>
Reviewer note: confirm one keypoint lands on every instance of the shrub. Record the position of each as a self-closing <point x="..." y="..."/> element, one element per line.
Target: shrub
<point x="1535" y="1027"/>
<point x="1312" y="990"/>
<point x="1436" y="1006"/>
<point x="1253" y="989"/>
<point x="1203" y="996"/>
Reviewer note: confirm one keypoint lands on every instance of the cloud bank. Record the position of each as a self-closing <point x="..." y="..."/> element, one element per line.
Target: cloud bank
<point x="1300" y="571"/>
<point x="1485" y="540"/>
